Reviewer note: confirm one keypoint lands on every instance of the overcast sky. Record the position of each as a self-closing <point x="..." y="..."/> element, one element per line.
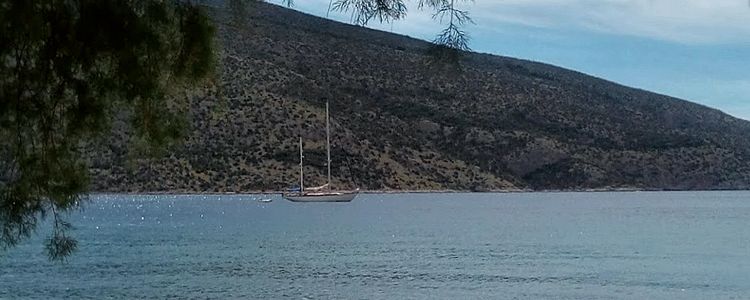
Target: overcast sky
<point x="698" y="50"/>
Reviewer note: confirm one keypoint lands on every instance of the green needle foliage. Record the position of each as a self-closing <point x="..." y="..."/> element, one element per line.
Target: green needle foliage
<point x="363" y="11"/>
<point x="453" y="40"/>
<point x="66" y="68"/>
<point x="447" y="45"/>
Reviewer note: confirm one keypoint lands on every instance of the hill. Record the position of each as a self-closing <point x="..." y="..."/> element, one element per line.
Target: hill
<point x="401" y="123"/>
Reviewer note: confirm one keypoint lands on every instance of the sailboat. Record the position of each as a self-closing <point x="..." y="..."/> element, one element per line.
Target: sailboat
<point x="322" y="193"/>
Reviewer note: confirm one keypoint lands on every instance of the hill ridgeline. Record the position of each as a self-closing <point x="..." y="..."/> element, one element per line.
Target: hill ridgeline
<point x="400" y="123"/>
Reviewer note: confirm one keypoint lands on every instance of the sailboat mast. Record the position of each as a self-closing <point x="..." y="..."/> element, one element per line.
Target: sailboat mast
<point x="328" y="145"/>
<point x="301" y="171"/>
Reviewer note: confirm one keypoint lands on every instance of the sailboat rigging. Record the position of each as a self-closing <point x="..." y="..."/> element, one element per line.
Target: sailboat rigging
<point x="322" y="193"/>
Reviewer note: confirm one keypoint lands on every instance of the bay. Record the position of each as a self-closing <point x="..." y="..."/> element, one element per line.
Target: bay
<point x="634" y="245"/>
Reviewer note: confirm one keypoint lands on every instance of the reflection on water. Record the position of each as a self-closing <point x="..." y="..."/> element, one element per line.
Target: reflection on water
<point x="414" y="246"/>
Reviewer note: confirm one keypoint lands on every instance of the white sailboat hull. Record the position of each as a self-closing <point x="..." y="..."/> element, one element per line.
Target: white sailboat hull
<point x="321" y="197"/>
<point x="322" y="193"/>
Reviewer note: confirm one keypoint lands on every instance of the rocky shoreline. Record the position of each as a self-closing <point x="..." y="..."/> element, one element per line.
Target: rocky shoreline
<point x="398" y="124"/>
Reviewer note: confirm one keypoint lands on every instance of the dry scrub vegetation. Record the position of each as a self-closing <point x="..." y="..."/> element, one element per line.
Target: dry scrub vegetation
<point x="398" y="123"/>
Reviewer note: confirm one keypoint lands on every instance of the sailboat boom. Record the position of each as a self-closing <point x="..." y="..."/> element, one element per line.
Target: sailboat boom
<point x="316" y="194"/>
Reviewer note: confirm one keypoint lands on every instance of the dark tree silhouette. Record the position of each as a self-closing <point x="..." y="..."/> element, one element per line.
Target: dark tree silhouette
<point x="385" y="11"/>
<point x="68" y="67"/>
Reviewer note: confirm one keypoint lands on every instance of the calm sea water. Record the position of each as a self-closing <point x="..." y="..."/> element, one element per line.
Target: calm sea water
<point x="427" y="246"/>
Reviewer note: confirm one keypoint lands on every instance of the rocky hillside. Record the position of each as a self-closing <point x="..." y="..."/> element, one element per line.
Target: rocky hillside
<point x="400" y="123"/>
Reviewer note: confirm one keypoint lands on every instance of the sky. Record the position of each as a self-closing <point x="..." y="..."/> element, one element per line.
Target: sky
<point x="697" y="50"/>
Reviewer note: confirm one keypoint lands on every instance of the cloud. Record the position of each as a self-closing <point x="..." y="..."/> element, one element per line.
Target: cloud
<point x="418" y="23"/>
<point x="703" y="59"/>
<point x="683" y="21"/>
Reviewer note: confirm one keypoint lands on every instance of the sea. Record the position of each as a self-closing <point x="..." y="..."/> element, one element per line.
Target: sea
<point x="598" y="245"/>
